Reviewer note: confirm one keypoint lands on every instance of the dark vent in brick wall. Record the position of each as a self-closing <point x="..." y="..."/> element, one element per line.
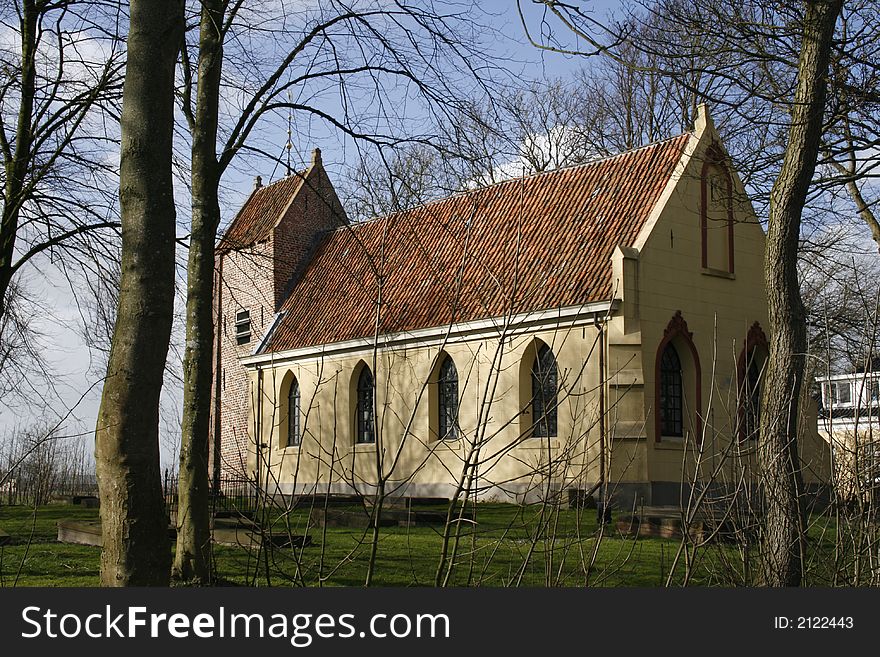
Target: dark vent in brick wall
<point x="243" y="326"/>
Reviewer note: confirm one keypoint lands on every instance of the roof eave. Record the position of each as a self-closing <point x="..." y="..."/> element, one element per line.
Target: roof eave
<point x="488" y="328"/>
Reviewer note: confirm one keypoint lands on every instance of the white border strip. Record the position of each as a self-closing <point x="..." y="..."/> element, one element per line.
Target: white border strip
<point x="476" y="330"/>
<point x="268" y="334"/>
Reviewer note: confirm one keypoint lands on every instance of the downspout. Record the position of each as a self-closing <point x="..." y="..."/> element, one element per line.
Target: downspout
<point x="603" y="379"/>
<point x="258" y="428"/>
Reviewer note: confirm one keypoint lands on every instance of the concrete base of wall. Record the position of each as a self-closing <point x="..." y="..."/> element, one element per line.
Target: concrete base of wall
<point x="675" y="494"/>
<point x="623" y="496"/>
<point x="513" y="493"/>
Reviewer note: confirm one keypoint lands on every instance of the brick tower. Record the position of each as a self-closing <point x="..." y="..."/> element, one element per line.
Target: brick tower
<point x="266" y="247"/>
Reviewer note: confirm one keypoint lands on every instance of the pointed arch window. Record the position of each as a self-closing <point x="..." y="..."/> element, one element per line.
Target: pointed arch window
<point x="750" y="371"/>
<point x="447" y="400"/>
<point x="752" y="396"/>
<point x="365" y="429"/>
<point x="545" y="381"/>
<point x="677" y="384"/>
<point x="671" y="394"/>
<point x="294" y="437"/>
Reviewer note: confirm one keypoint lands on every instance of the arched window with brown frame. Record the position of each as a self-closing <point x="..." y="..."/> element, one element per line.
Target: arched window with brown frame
<point x="751" y="364"/>
<point x="677" y="384"/>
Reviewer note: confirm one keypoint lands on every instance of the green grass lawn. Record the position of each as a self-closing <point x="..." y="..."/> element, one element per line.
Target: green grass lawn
<point x="491" y="552"/>
<point x="497" y="548"/>
<point x="35" y="558"/>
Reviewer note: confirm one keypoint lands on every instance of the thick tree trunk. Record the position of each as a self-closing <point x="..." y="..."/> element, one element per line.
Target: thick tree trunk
<point x="192" y="560"/>
<point x="16" y="166"/>
<point x="136" y="549"/>
<point x="783" y="537"/>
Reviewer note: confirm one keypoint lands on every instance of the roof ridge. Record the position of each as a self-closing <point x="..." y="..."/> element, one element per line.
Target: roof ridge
<point x="536" y="174"/>
<point x="254" y="192"/>
<point x="292" y="174"/>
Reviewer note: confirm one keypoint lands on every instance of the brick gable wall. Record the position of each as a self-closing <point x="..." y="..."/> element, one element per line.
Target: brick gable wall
<point x="314" y="211"/>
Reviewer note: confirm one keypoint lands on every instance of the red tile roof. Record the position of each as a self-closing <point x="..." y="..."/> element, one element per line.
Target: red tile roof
<point x="523" y="245"/>
<point x="260" y="213"/>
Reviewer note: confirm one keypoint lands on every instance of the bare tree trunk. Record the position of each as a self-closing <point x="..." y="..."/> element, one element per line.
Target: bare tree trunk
<point x="193" y="556"/>
<point x="136" y="550"/>
<point x="16" y="166"/>
<point x="783" y="538"/>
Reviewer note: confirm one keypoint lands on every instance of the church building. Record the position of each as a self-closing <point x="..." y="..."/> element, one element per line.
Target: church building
<point x="603" y="323"/>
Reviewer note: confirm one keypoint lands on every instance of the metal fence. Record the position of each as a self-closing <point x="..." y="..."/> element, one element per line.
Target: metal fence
<point x="228" y="496"/>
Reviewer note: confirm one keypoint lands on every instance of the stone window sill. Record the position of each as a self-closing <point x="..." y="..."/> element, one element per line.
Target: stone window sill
<point x="670" y="442"/>
<point x="538" y="442"/>
<point x="718" y="273"/>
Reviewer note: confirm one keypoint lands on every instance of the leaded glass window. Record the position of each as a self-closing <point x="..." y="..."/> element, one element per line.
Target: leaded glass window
<point x="365" y="421"/>
<point x="545" y="381"/>
<point x="671" y="398"/>
<point x="447" y="400"/>
<point x="753" y="397"/>
<point x="293" y="429"/>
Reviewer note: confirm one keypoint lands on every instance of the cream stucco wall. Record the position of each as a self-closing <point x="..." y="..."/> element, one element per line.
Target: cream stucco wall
<point x="495" y="448"/>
